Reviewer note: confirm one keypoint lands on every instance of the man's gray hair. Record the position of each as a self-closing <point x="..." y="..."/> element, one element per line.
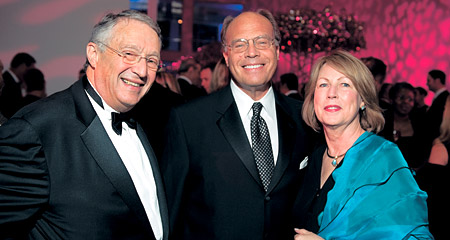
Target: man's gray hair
<point x="102" y="30"/>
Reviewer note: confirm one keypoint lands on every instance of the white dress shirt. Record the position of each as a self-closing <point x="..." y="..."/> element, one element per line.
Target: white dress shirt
<point x="135" y="159"/>
<point x="268" y="113"/>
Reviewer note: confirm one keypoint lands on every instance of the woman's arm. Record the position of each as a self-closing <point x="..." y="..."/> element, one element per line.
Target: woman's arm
<point x="439" y="154"/>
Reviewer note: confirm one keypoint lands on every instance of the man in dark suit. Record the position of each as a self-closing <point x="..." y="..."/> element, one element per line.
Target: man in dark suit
<point x="35" y="84"/>
<point x="11" y="98"/>
<point x="189" y="79"/>
<point x="436" y="84"/>
<point x="289" y="85"/>
<point x="72" y="165"/>
<point x="225" y="179"/>
<point x="153" y="111"/>
<point x="378" y="69"/>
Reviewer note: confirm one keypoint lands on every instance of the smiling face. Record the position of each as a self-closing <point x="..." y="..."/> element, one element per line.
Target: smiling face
<point x="336" y="100"/>
<point x="122" y="85"/>
<point x="252" y="69"/>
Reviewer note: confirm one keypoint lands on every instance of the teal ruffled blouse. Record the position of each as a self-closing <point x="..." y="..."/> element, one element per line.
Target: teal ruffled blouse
<point x="375" y="195"/>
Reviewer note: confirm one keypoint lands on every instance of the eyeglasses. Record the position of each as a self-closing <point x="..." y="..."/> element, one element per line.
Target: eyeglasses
<point x="132" y="58"/>
<point x="260" y="42"/>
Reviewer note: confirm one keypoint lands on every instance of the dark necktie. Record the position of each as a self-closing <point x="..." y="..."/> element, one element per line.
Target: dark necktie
<point x="118" y="118"/>
<point x="262" y="148"/>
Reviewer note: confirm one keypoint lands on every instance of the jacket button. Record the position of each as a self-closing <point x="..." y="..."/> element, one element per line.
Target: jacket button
<point x="267" y="198"/>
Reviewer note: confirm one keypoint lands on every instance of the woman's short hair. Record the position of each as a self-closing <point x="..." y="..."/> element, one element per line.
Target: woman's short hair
<point x="371" y="118"/>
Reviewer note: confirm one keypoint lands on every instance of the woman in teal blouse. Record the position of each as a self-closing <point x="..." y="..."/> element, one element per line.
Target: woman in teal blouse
<point x="357" y="185"/>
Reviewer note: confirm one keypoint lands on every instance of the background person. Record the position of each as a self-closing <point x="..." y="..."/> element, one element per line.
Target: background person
<point x="35" y="85"/>
<point x="189" y="79"/>
<point x="420" y="106"/>
<point x="153" y="110"/>
<point x="3" y="119"/>
<point x="434" y="178"/>
<point x="206" y="75"/>
<point x="436" y="83"/>
<point x="11" y="98"/>
<point x="220" y="76"/>
<point x="404" y="126"/>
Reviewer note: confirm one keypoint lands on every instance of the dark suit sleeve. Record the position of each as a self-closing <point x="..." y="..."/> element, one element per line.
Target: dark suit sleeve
<point x="174" y="168"/>
<point x="24" y="186"/>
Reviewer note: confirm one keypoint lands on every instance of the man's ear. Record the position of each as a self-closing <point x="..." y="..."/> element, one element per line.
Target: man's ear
<point x="92" y="54"/>
<point x="225" y="56"/>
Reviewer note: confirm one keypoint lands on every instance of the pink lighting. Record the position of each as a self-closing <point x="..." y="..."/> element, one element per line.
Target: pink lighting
<point x="55" y="68"/>
<point x="46" y="12"/>
<point x="411" y="36"/>
<point x="444" y="29"/>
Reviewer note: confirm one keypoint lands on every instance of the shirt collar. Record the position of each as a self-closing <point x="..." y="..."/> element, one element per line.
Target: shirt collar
<point x="245" y="102"/>
<point x="439" y="92"/>
<point x="107" y="110"/>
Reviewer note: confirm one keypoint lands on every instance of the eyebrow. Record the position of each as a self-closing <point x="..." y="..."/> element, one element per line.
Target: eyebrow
<point x="339" y="79"/>
<point x="264" y="35"/>
<point x="154" y="53"/>
<point x="135" y="47"/>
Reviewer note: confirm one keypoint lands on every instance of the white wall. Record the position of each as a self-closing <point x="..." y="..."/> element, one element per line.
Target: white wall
<point x="54" y="32"/>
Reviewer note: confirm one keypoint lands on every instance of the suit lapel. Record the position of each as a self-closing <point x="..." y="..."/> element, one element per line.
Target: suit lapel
<point x="104" y="153"/>
<point x="158" y="181"/>
<point x="100" y="146"/>
<point x="230" y="124"/>
<point x="286" y="139"/>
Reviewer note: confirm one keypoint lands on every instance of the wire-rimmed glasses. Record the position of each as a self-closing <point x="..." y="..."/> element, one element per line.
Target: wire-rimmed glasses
<point x="260" y="42"/>
<point x="129" y="57"/>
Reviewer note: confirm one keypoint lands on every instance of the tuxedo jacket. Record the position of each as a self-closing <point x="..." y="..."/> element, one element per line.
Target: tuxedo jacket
<point x="153" y="111"/>
<point x="11" y="96"/>
<point x="212" y="183"/>
<point x="190" y="91"/>
<point x="62" y="178"/>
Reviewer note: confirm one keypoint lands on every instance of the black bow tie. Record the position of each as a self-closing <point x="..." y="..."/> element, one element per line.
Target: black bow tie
<point x="118" y="118"/>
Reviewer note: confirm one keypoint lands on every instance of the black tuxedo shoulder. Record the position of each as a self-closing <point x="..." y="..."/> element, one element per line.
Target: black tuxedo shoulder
<point x="54" y="113"/>
<point x="55" y="103"/>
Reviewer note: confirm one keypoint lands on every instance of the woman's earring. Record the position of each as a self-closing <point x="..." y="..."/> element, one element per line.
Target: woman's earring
<point x="363" y="108"/>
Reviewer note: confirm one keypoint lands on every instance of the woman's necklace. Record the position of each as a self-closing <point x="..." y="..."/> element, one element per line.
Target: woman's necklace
<point x="335" y="158"/>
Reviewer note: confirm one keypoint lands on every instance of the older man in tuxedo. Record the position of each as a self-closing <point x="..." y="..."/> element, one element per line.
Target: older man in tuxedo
<point x="74" y="166"/>
<point x="232" y="161"/>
